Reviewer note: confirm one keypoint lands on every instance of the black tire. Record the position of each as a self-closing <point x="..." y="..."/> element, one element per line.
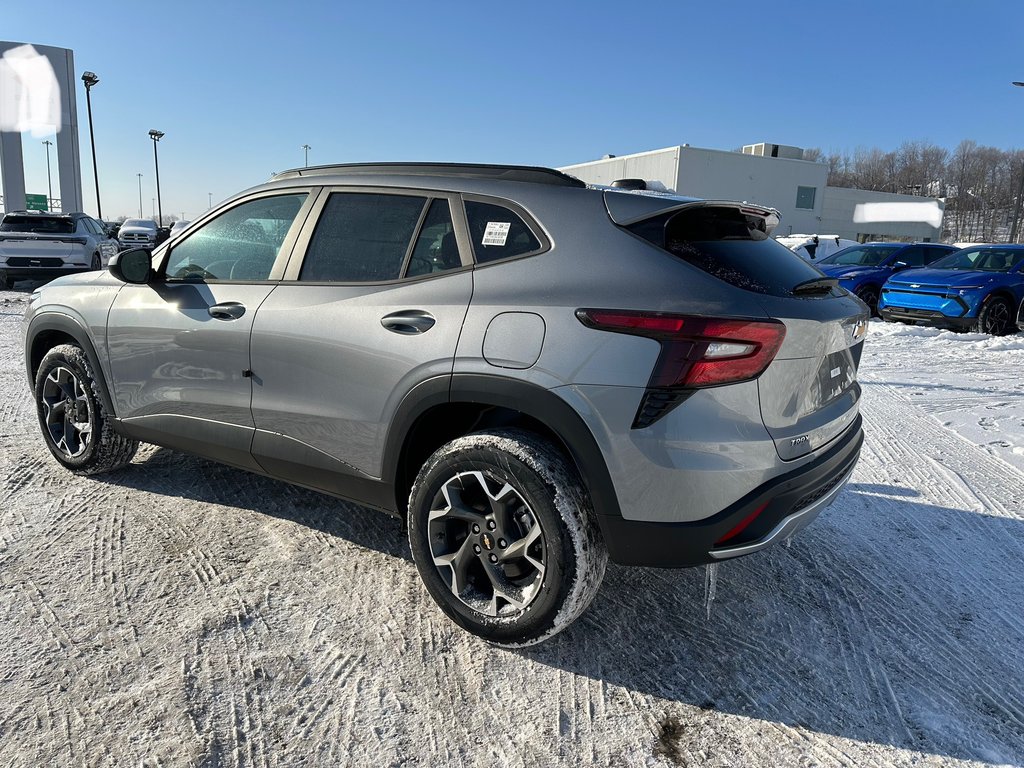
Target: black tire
<point x="561" y="565"/>
<point x="97" y="263"/>
<point x="76" y="427"/>
<point x="869" y="295"/>
<point x="995" y="317"/>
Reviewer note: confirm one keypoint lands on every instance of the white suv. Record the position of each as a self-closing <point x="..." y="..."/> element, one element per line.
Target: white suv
<point x="40" y="244"/>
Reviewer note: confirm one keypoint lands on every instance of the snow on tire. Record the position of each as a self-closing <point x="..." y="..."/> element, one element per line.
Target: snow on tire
<point x="76" y="427"/>
<point x="503" y="535"/>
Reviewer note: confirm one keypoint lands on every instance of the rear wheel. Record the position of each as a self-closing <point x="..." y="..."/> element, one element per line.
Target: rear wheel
<point x="97" y="262"/>
<point x="503" y="536"/>
<point x="77" y="429"/>
<point x="869" y="295"/>
<point x="994" y="317"/>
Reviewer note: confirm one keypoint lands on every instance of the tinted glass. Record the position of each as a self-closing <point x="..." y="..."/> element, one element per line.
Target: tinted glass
<point x="240" y="244"/>
<point x="362" y="238"/>
<point x="931" y="254"/>
<point x="43" y="225"/>
<point x="860" y="256"/>
<point x="731" y="246"/>
<point x="983" y="259"/>
<point x="498" y="233"/>
<point x="436" y="249"/>
<point x="139" y="223"/>
<point x="914" y="256"/>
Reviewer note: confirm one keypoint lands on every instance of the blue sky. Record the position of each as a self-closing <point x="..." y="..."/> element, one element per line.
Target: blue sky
<point x="239" y="87"/>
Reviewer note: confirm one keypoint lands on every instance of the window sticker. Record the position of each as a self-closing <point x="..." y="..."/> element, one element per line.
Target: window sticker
<point x="496" y="233"/>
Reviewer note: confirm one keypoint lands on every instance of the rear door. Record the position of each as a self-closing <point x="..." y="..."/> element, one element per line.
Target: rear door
<point x="179" y="345"/>
<point x="374" y="306"/>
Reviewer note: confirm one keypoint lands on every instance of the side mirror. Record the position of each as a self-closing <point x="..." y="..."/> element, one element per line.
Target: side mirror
<point x="898" y="265"/>
<point x="132" y="266"/>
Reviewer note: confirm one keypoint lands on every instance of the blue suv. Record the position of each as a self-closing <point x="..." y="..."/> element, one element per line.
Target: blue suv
<point x="974" y="289"/>
<point x="863" y="269"/>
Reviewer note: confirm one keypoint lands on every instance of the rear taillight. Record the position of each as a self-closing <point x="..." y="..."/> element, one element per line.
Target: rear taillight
<point x="696" y="352"/>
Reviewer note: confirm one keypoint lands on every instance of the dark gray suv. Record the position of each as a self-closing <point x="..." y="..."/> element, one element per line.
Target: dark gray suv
<point x="536" y="374"/>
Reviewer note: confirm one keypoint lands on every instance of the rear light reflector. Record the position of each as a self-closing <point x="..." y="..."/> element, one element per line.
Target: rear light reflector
<point x="742" y="526"/>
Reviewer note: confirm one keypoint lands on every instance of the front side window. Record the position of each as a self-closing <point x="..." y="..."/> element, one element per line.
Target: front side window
<point x="362" y="238"/>
<point x="498" y="233"/>
<point x="240" y="244"/>
<point x="805" y="197"/>
<point x="861" y="257"/>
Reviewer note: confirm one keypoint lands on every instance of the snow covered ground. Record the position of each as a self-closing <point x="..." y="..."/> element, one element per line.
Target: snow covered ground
<point x="183" y="613"/>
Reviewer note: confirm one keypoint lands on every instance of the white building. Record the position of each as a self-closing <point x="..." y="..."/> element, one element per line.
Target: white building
<point x="769" y="174"/>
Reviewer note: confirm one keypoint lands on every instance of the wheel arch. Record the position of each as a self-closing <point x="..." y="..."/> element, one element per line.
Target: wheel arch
<point x="50" y="329"/>
<point x="441" y="409"/>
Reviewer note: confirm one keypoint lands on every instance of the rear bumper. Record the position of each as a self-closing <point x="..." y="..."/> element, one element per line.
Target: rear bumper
<point x="787" y="504"/>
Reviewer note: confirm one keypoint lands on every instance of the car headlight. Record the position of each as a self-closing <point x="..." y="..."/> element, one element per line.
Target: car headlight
<point x="963" y="290"/>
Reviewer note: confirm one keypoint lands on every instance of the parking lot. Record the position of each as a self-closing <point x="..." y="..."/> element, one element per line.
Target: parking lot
<point x="179" y="612"/>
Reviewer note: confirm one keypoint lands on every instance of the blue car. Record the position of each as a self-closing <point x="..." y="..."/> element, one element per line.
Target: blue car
<point x="863" y="269"/>
<point x="974" y="289"/>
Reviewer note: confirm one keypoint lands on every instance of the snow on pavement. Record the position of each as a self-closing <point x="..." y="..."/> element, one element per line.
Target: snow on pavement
<point x="179" y="612"/>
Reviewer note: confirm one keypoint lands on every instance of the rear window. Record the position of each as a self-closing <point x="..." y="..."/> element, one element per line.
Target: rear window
<point x="861" y="257"/>
<point x="42" y="225"/>
<point x="730" y="245"/>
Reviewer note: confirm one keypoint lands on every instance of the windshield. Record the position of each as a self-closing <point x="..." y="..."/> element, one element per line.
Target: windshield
<point x="146" y="223"/>
<point x="982" y="259"/>
<point x="43" y="225"/>
<point x="860" y="256"/>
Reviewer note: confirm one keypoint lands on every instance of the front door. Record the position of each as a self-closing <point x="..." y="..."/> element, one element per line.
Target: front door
<point x="179" y="346"/>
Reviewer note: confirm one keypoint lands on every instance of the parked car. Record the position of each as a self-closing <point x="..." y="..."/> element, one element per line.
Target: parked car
<point x="974" y="289"/>
<point x="40" y="244"/>
<point x="862" y="269"/>
<point x="814" y="247"/>
<point x="177" y="227"/>
<point x="138" y="233"/>
<point x="535" y="374"/>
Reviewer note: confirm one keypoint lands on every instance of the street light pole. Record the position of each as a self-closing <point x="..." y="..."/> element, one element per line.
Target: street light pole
<point x="211" y="199"/>
<point x="156" y="135"/>
<point x="307" y="148"/>
<point x="49" y="178"/>
<point x="140" y="194"/>
<point x="90" y="79"/>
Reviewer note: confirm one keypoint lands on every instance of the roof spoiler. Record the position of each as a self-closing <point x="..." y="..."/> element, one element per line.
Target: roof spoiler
<point x="625" y="209"/>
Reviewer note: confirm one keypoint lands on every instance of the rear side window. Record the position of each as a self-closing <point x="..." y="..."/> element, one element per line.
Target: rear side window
<point x="498" y="233"/>
<point x="436" y="249"/>
<point x="730" y="245"/>
<point x="41" y="225"/>
<point x="915" y="256"/>
<point x="362" y="238"/>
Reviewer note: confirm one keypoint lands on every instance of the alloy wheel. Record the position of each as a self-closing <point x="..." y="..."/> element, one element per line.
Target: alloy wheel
<point x="67" y="412"/>
<point x="997" y="319"/>
<point x="487" y="544"/>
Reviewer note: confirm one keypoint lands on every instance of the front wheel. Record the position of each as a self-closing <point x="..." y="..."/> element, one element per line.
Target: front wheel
<point x="994" y="317"/>
<point x="503" y="536"/>
<point x="77" y="429"/>
<point x="869" y="295"/>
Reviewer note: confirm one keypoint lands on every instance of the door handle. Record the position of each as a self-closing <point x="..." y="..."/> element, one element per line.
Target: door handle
<point x="409" y="322"/>
<point x="229" y="310"/>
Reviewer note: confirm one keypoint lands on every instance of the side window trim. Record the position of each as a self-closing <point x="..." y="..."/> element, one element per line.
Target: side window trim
<point x="411" y="245"/>
<point x="305" y="236"/>
<point x="287" y="245"/>
<point x="528" y="219"/>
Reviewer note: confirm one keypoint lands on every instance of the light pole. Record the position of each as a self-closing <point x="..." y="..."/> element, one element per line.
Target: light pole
<point x="90" y="79"/>
<point x="49" y="180"/>
<point x="211" y="199"/>
<point x="140" y="194"/>
<point x="307" y="148"/>
<point x="1020" y="191"/>
<point x="156" y="135"/>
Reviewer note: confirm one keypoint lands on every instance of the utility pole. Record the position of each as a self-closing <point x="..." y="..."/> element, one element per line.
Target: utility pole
<point x="90" y="79"/>
<point x="156" y="135"/>
<point x="49" y="178"/>
<point x="140" y="194"/>
<point x="307" y="148"/>
<point x="211" y="199"/>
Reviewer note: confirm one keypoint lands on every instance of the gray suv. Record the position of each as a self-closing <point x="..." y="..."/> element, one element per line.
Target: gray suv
<point x="537" y="375"/>
<point x="39" y="244"/>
